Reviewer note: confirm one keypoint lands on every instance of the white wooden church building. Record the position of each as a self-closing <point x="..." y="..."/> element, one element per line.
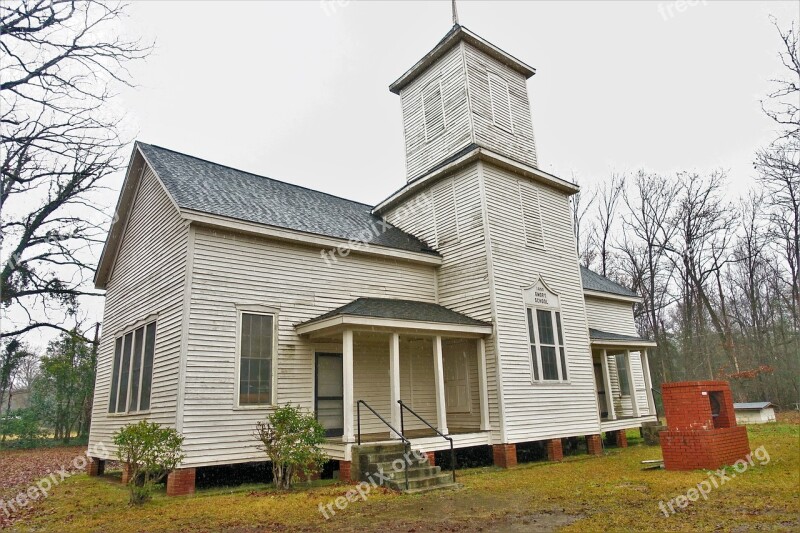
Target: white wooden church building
<point x="461" y="294"/>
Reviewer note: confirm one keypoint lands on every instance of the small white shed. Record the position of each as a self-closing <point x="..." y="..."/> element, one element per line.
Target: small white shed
<point x="754" y="412"/>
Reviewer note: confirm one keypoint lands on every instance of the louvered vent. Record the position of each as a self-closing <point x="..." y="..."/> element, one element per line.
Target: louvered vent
<point x="501" y="102"/>
<point x="531" y="214"/>
<point x="433" y="108"/>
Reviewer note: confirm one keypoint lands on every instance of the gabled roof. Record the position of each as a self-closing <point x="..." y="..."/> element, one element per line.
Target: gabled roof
<point x="400" y="310"/>
<point x="752" y="406"/>
<point x="199" y="185"/>
<point x="592" y="281"/>
<point x="457" y="34"/>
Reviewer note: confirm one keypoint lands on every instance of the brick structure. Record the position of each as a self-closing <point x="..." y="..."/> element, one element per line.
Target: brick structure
<point x="620" y="438"/>
<point x="96" y="467"/>
<point x="180" y="482"/>
<point x="504" y="455"/>
<point x="701" y="426"/>
<point x="126" y="473"/>
<point x="555" y="451"/>
<point x="344" y="471"/>
<point x="594" y="444"/>
<point x="431" y="458"/>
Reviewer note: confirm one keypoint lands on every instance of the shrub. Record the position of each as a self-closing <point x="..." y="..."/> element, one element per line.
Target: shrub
<point x="291" y="439"/>
<point x="22" y="426"/>
<point x="151" y="451"/>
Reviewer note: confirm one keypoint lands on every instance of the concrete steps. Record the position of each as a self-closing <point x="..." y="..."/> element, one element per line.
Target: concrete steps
<point x="384" y="463"/>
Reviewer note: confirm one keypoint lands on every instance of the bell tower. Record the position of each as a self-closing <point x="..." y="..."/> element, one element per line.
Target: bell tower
<point x="465" y="93"/>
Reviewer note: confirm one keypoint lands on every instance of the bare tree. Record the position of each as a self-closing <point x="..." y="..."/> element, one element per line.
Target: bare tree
<point x="59" y="141"/>
<point x="581" y="202"/>
<point x="609" y="196"/>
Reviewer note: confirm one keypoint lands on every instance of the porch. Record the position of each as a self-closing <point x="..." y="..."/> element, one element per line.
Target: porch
<point x="622" y="380"/>
<point x="371" y="353"/>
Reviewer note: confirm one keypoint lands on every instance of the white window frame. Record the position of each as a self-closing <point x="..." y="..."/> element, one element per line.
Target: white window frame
<point x="424" y="115"/>
<point x="535" y="345"/>
<point x="265" y="311"/>
<point x="120" y="335"/>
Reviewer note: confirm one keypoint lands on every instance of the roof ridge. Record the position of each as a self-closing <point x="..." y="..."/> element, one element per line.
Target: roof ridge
<point x="256" y="175"/>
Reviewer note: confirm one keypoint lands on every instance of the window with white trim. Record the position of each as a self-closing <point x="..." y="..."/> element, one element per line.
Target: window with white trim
<point x="256" y="350"/>
<point x="132" y="370"/>
<point x="622" y="374"/>
<point x="545" y="334"/>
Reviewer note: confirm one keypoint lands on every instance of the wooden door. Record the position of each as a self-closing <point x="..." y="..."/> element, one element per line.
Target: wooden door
<point x="329" y="393"/>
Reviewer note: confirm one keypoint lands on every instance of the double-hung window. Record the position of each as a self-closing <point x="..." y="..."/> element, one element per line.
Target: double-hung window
<point x="545" y="334"/>
<point x="256" y="355"/>
<point x="132" y="370"/>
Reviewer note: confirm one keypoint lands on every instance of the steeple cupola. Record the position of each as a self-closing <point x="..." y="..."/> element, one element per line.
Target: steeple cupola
<point x="464" y="93"/>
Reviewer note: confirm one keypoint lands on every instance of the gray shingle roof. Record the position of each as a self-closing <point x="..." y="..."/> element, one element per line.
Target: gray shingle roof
<point x="597" y="335"/>
<point x="401" y="310"/>
<point x="592" y="281"/>
<point x="208" y="187"/>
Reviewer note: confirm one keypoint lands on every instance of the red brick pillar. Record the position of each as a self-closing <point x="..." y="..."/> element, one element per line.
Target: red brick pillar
<point x="504" y="455"/>
<point x="344" y="471"/>
<point x="621" y="438"/>
<point x="96" y="467"/>
<point x="180" y="482"/>
<point x="126" y="473"/>
<point x="555" y="452"/>
<point x="431" y="458"/>
<point x="595" y="444"/>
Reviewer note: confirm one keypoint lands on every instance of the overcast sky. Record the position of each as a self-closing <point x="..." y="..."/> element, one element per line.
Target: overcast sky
<point x="298" y="91"/>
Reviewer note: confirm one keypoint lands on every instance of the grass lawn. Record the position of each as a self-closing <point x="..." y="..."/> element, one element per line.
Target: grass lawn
<point x="582" y="493"/>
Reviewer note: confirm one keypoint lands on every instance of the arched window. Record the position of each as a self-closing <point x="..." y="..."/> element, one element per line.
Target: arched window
<point x="545" y="334"/>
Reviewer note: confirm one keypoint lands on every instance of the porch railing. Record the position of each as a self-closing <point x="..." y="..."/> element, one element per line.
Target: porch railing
<point x="406" y="442"/>
<point x="450" y="439"/>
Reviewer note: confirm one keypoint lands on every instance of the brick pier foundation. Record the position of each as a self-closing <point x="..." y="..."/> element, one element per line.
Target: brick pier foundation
<point x="344" y="471"/>
<point x="180" y="482"/>
<point x="555" y="451"/>
<point x="594" y="444"/>
<point x="96" y="467"/>
<point x="504" y="455"/>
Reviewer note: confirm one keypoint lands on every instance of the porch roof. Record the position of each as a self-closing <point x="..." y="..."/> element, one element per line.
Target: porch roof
<point x="606" y="338"/>
<point x="378" y="313"/>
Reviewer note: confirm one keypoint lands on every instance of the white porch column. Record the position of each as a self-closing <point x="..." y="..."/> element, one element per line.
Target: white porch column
<point x="483" y="385"/>
<point x="347" y="385"/>
<point x="438" y="370"/>
<point x="607" y="381"/>
<point x="631" y="384"/>
<point x="648" y="382"/>
<point x="394" y="380"/>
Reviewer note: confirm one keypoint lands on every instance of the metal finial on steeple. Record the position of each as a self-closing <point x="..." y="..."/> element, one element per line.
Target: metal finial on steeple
<point x="455" y="13"/>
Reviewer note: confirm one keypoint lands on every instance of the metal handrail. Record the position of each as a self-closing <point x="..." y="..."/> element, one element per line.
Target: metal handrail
<point x="655" y="406"/>
<point x="402" y="429"/>
<point x="406" y="442"/>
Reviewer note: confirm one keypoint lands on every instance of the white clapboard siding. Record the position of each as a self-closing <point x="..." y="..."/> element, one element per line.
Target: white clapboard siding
<point x="463" y="279"/>
<point x="231" y="269"/>
<point x="147" y="280"/>
<point x="535" y="411"/>
<point x="517" y="144"/>
<point x="611" y="316"/>
<point x="423" y="152"/>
